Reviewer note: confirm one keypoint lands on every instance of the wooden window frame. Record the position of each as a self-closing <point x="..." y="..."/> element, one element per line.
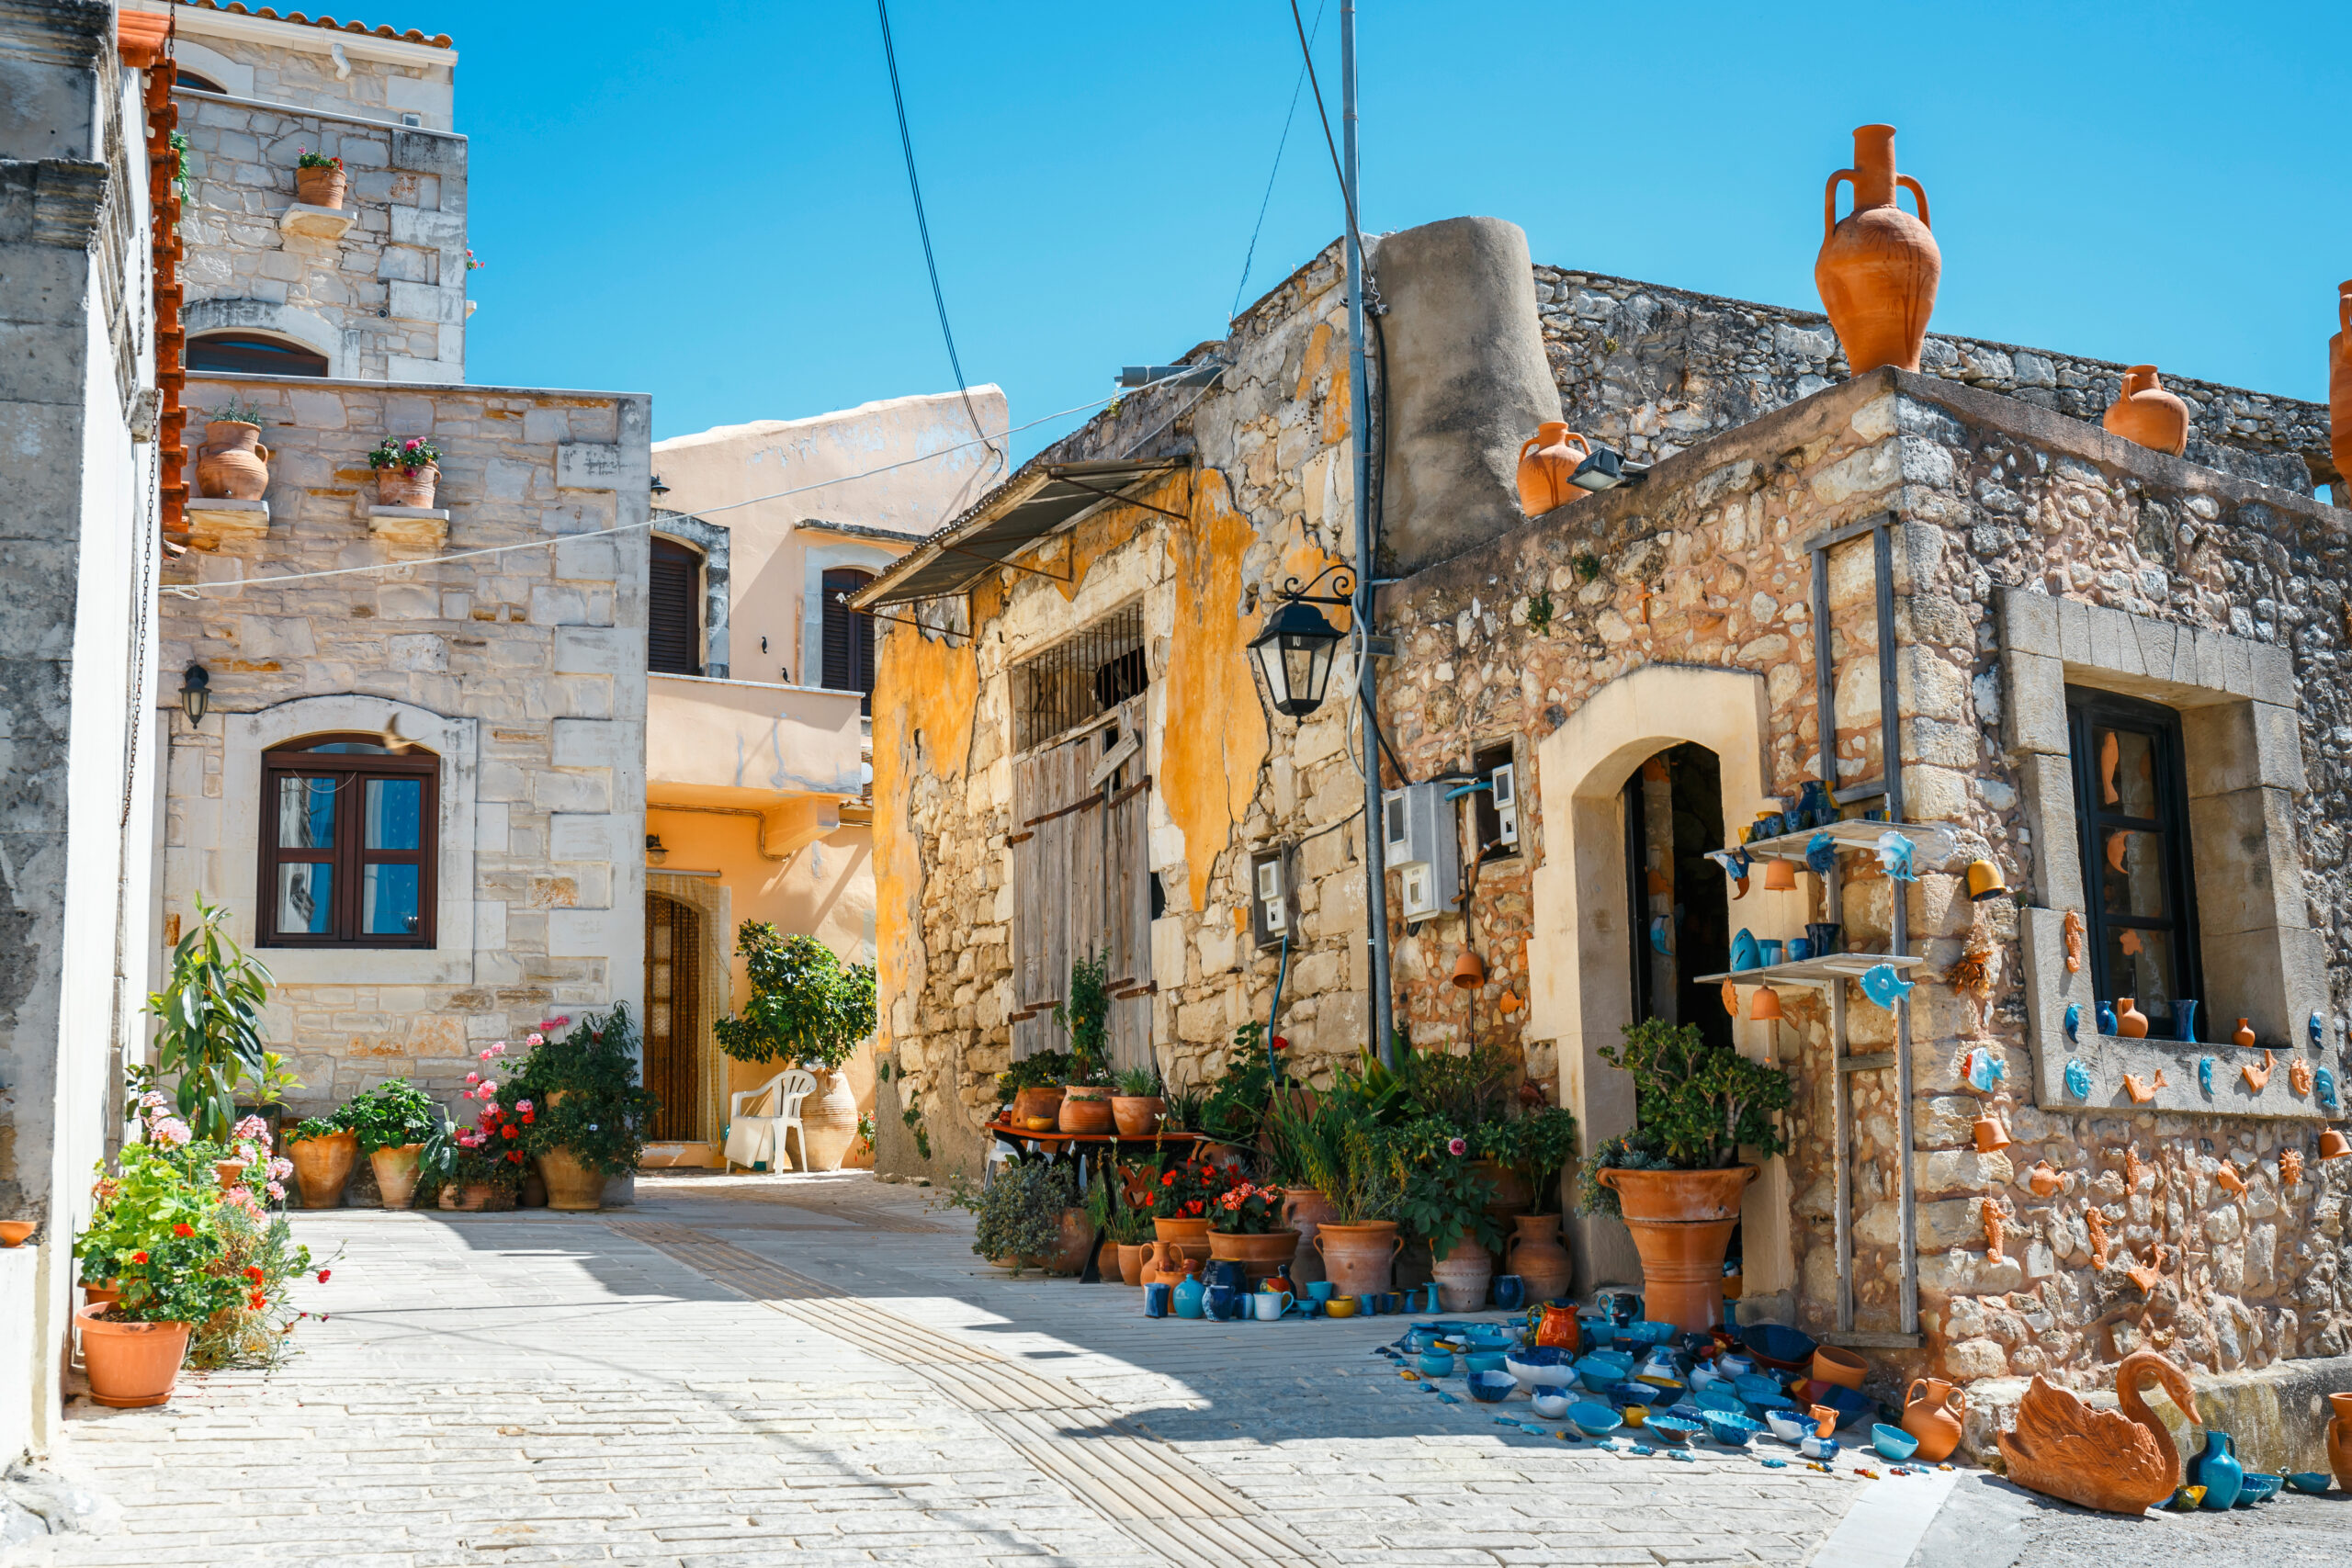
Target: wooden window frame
<point x="300" y="759"/>
<point x="2086" y="708"/>
<point x="678" y="554"/>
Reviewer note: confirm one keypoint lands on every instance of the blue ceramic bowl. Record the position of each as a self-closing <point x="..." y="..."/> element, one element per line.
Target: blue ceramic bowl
<point x="1849" y="1402"/>
<point x="2312" y="1481"/>
<point x="1647" y="1333"/>
<point x="1617" y="1359"/>
<point x="1665" y="1391"/>
<point x="1768" y="1403"/>
<point x="1893" y="1442"/>
<point x="1489" y="1388"/>
<point x="1599" y="1332"/>
<point x="1731" y="1363"/>
<point x="1778" y="1346"/>
<point x="1672" y="1428"/>
<point x="1594" y="1420"/>
<point x="1551" y="1400"/>
<point x="1490" y="1336"/>
<point x="1481" y="1361"/>
<point x="1730" y="1430"/>
<point x="2259" y="1488"/>
<point x="1787" y="1425"/>
<point x="1718" y="1396"/>
<point x="1539" y="1365"/>
<point x="1754" y="1386"/>
<point x="1435" y="1363"/>
<point x="1631" y="1394"/>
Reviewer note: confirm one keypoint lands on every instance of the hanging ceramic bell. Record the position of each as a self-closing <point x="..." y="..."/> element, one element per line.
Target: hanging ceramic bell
<point x="1468" y="972"/>
<point x="1990" y="1135"/>
<point x="1765" y="1006"/>
<point x="2333" y="1145"/>
<point x="1780" y="876"/>
<point x="1985" y="881"/>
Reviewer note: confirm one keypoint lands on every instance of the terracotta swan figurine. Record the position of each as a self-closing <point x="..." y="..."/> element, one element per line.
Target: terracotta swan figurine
<point x="2100" y="1458"/>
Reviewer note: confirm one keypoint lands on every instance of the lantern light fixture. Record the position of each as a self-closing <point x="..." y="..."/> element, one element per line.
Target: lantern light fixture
<point x="195" y="695"/>
<point x="1293" y="648"/>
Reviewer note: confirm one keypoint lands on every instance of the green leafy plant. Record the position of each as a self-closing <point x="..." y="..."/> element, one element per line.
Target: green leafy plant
<point x="806" y="1006"/>
<point x="140" y="1208"/>
<point x="582" y="1093"/>
<point x="1236" y="1105"/>
<point x="1537" y="1146"/>
<point x="1696" y="1104"/>
<point x="1302" y="1129"/>
<point x="1085" y="1015"/>
<point x="1627" y="1151"/>
<point x="1182" y="1111"/>
<point x="392" y="1115"/>
<point x="325" y="1126"/>
<point x="179" y="169"/>
<point x="1247" y="1209"/>
<point x="260" y="1259"/>
<point x="275" y="1082"/>
<point x="407" y="456"/>
<point x="1139" y="1083"/>
<point x="1361" y="1175"/>
<point x="1186" y="1189"/>
<point x="209" y="1023"/>
<point x="1021" y="1212"/>
<point x="1047" y="1069"/>
<point x="911" y="1118"/>
<point x="1587" y="567"/>
<point x="238" y="410"/>
<point x="1464" y="1091"/>
<point x="1539" y="611"/>
<point x="1445" y="1196"/>
<point x="306" y="159"/>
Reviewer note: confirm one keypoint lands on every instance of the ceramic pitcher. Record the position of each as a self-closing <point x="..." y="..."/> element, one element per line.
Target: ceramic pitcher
<point x="1933" y="1414"/>
<point x="2339" y="1440"/>
<point x="2218" y="1471"/>
<point x="1545" y="460"/>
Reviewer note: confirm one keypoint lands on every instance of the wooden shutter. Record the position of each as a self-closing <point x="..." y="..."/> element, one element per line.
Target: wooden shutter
<point x="673" y="611"/>
<point x="1127" y="896"/>
<point x="848" y="636"/>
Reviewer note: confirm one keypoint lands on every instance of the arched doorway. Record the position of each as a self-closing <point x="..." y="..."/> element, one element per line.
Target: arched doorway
<point x="677" y="1022"/>
<point x="1673" y="815"/>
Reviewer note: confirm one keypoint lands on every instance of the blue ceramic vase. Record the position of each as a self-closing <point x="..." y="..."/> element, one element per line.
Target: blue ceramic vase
<point x="2186" y="1015"/>
<point x="1188" y="1292"/>
<point x="2107" y="1025"/>
<point x="2218" y="1471"/>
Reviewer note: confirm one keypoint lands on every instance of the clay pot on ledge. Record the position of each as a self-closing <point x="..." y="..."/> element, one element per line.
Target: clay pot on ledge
<point x="232" y="464"/>
<point x="1042" y="1100"/>
<point x="2130" y="1022"/>
<point x="321" y="186"/>
<point x="1086" y="1108"/>
<point x="131" y="1365"/>
<point x="396" y="1173"/>
<point x="1682" y="1221"/>
<point x="407" y="487"/>
<point x="1545" y="460"/>
<point x="321" y="1166"/>
<point x="1879" y="266"/>
<point x="1136" y="1115"/>
<point x="2148" y="415"/>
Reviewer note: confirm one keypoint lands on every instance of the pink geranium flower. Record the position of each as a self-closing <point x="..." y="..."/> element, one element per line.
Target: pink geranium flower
<point x="1457" y="1145"/>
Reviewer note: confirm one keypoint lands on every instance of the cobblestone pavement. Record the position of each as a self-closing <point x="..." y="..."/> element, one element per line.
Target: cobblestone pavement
<point x="1988" y="1523"/>
<point x="816" y="1371"/>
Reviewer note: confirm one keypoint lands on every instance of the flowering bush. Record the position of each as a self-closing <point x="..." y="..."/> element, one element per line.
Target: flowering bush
<point x="407" y="456"/>
<point x="306" y="159"/>
<point x="147" y="1213"/>
<point x="392" y="1115"/>
<point x="1185" y="1190"/>
<point x="259" y="1261"/>
<point x="582" y="1093"/>
<point x="1246" y="1209"/>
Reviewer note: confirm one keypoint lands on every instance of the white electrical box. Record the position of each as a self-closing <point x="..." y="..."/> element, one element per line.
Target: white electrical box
<point x="1506" y="798"/>
<point x="1271" y="906"/>
<point x="1421" y="834"/>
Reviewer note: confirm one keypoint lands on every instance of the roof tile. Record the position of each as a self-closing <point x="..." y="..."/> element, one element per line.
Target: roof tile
<point x="237" y="7"/>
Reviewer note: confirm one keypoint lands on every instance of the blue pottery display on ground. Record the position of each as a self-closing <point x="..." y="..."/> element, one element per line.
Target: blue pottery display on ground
<point x="2259" y="1488"/>
<point x="2218" y="1471"/>
<point x="1435" y="1363"/>
<point x="1594" y="1420"/>
<point x="1893" y="1442"/>
<point x="1188" y="1292"/>
<point x="1729" y="1429"/>
<point x="1220" y="1300"/>
<point x="2311" y="1481"/>
<point x="1490" y="1387"/>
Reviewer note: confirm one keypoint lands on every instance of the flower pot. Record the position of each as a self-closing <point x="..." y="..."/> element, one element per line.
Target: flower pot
<point x="827" y="1122"/>
<point x="1682" y="1221"/>
<point x="232" y="464"/>
<point x="1086" y="1109"/>
<point x="322" y="1166"/>
<point x="472" y="1196"/>
<point x="1069" y="1256"/>
<point x="1106" y="1262"/>
<point x="1359" y="1259"/>
<point x="1189" y="1237"/>
<point x="1933" y="1414"/>
<point x="101" y="1295"/>
<point x="1303" y="1210"/>
<point x="533" y="1193"/>
<point x="130" y="1364"/>
<point x="571" y="1183"/>
<point x="1463" y="1276"/>
<point x="2339" y="1440"/>
<point x="1133" y="1258"/>
<point x="1545" y="460"/>
<point x="15" y="1233"/>
<point x="396" y="1174"/>
<point x="2148" y="415"/>
<point x="1536" y="1256"/>
<point x="1044" y="1100"/>
<point x="321" y="187"/>
<point x="229" y="1172"/>
<point x="407" y="487"/>
<point x="1510" y="1194"/>
<point x="1258" y="1254"/>
<point x="1136" y="1115"/>
<point x="2339" y="383"/>
<point x="1842" y="1368"/>
<point x="1879" y="266"/>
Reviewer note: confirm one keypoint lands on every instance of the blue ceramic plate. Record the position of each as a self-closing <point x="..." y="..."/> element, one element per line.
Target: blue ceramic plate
<point x="1489" y="1388"/>
<point x="2313" y="1481"/>
<point x="1594" y="1420"/>
<point x="1672" y="1428"/>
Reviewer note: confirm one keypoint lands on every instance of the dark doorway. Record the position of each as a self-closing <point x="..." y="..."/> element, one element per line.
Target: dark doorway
<point x="1679" y="900"/>
<point x="675" y="1023"/>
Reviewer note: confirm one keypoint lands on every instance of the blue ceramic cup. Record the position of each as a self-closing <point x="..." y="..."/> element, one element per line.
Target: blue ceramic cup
<point x="1510" y="1292"/>
<point x="1220" y="1300"/>
<point x="1771" y="951"/>
<point x="1154" y="1301"/>
<point x="1391" y="1303"/>
<point x="1799" y="950"/>
<point x="1367" y="1305"/>
<point x="1319" y="1290"/>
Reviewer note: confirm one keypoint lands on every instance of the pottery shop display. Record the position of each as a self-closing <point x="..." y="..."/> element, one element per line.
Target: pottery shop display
<point x="2218" y="1471"/>
<point x="1682" y="1221"/>
<point x="1257" y="1256"/>
<point x="232" y="464"/>
<point x="1879" y="266"/>
<point x="2119" y="1460"/>
<point x="1547" y="459"/>
<point x="2144" y="412"/>
<point x="1932" y="1413"/>
<point x="1086" y="1108"/>
<point x="1843" y="1368"/>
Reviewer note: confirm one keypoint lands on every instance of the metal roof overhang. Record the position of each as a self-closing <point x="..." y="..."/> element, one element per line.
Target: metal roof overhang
<point x="1025" y="510"/>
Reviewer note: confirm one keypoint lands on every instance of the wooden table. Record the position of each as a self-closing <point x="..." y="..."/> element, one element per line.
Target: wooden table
<point x="1075" y="1147"/>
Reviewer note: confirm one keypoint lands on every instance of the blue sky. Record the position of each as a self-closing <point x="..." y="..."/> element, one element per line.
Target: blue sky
<point x="708" y="204"/>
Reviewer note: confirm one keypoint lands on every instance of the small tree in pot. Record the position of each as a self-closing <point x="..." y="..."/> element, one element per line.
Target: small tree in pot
<point x="209" y="1023"/>
<point x="809" y="1009"/>
<point x="1678" y="1178"/>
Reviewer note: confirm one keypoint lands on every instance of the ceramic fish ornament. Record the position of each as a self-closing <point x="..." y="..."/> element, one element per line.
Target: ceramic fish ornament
<point x="1735" y="863"/>
<point x="2079" y="1078"/>
<point x="1731" y="999"/>
<point x="2299" y="1075"/>
<point x="2323" y="1084"/>
<point x="2074" y="1018"/>
<point x="1662" y="933"/>
<point x="2318" y="1026"/>
<point x="2229" y="1181"/>
<point x="2142" y="1092"/>
<point x="2205" y="1073"/>
<point x="2290" y="1165"/>
<point x="1985" y="1070"/>
<point x="1821" y="855"/>
<point x="1745" y="952"/>
<point x="1895" y="854"/>
<point x="2257" y="1081"/>
<point x="1884" y="986"/>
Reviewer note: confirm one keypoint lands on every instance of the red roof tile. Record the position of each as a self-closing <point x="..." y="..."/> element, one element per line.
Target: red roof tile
<point x="236" y="7"/>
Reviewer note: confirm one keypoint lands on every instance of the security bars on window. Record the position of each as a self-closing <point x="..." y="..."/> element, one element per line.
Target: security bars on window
<point x="1077" y="680"/>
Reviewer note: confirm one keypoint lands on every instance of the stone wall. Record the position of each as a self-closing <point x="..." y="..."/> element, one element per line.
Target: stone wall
<point x="313" y="65"/>
<point x="386" y="299"/>
<point x="525" y="670"/>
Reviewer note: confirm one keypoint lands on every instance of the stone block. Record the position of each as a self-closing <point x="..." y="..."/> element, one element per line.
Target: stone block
<point x="2033" y="704"/>
<point x="588" y="837"/>
<point x="492" y="826"/>
<point x="583" y="933"/>
<point x="490" y="924"/>
<point x="2272" y="672"/>
<point x="2029" y="623"/>
<point x="592" y="651"/>
<point x="426" y="302"/>
<point x="424" y="151"/>
<point x="431" y="231"/>
<point x="2073" y="631"/>
<point x="2048" y="783"/>
<point x="587" y="561"/>
<point x="1168" y="951"/>
<point x="589" y="465"/>
<point x="588" y="743"/>
<point x="2248" y="877"/>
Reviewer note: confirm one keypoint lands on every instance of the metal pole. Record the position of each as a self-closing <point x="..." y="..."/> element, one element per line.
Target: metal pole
<point x="1375" y="867"/>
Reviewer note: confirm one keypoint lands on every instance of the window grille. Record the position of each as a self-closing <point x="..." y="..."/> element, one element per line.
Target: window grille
<point x="1076" y="680"/>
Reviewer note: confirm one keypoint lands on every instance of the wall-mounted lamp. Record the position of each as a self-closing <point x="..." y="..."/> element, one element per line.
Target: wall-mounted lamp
<point x="1606" y="468"/>
<point x="1293" y="650"/>
<point x="654" y="854"/>
<point x="196" y="694"/>
<point x="658" y="488"/>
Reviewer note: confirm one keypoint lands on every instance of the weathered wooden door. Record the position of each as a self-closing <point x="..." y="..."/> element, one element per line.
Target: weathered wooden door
<point x="674" y="1020"/>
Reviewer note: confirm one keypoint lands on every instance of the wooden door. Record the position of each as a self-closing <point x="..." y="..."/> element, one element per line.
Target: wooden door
<point x="676" y="1021"/>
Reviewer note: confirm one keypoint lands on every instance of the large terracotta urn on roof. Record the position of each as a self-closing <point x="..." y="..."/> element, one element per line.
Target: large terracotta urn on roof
<point x="1879" y="266"/>
<point x="2148" y="415"/>
<point x="2339" y="385"/>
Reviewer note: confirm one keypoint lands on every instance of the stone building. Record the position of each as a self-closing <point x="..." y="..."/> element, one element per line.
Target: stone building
<point x="2112" y="673"/>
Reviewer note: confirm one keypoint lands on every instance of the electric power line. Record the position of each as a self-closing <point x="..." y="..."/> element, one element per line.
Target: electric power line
<point x="1267" y="200"/>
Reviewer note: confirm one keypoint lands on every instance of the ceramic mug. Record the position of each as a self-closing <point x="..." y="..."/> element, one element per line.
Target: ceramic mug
<point x="1390" y="1302"/>
<point x="1799" y="950"/>
<point x="1823" y="935"/>
<point x="1510" y="1292"/>
<point x="1154" y="1301"/>
<point x="1272" y="1304"/>
<point x="1220" y="1300"/>
<point x="1319" y="1291"/>
<point x="1368" y="1305"/>
<point x="1771" y="951"/>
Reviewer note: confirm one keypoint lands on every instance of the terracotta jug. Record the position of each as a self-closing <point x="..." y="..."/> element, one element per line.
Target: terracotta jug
<point x="1878" y="268"/>
<point x="1535" y="1255"/>
<point x="2130" y="1022"/>
<point x="1545" y="460"/>
<point x="2339" y="385"/>
<point x="2339" y="1440"/>
<point x="1932" y="1413"/>
<point x="233" y="464"/>
<point x="2148" y="415"/>
<point x="2245" y="1035"/>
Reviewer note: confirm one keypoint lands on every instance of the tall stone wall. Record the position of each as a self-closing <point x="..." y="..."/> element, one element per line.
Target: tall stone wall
<point x="313" y="64"/>
<point x="525" y="670"/>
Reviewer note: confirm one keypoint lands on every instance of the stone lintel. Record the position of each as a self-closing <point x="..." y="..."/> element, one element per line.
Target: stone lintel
<point x="410" y="527"/>
<point x="213" y="520"/>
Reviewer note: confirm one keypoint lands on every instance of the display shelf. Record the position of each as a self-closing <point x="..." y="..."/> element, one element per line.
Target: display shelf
<point x="1826" y="970"/>
<point x="1850" y="834"/>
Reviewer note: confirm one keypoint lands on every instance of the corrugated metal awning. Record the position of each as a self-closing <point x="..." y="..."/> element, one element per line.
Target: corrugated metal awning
<point x="1032" y="505"/>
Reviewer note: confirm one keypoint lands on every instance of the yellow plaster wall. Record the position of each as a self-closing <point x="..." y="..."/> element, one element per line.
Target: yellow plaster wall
<point x="931" y="686"/>
<point x="1208" y="776"/>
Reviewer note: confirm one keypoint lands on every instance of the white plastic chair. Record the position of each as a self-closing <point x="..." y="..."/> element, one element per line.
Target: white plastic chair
<point x="763" y="1135"/>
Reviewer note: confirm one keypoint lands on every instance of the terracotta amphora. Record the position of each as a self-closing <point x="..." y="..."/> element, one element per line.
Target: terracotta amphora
<point x="2339" y="385"/>
<point x="1933" y="1413"/>
<point x="2130" y="1022"/>
<point x="1545" y="460"/>
<point x="1879" y="266"/>
<point x="323" y="1166"/>
<point x="1535" y="1255"/>
<point x="2148" y="415"/>
<point x="233" y="464"/>
<point x="2339" y="1440"/>
<point x="2243" y="1037"/>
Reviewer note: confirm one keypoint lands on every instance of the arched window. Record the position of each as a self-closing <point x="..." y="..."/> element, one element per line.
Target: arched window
<point x="202" y="83"/>
<point x="348" y="844"/>
<point x="673" y="610"/>
<point x="249" y="353"/>
<point x="849" y="636"/>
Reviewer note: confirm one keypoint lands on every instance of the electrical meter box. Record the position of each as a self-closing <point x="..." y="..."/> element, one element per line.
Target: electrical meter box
<point x="1422" y="840"/>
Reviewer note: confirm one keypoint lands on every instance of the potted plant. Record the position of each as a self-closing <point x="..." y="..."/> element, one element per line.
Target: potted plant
<point x="1246" y="1227"/>
<point x="1085" y="1015"/>
<point x="319" y="180"/>
<point x="323" y="1149"/>
<point x="1024" y="1212"/>
<point x="391" y="1121"/>
<point x="406" y="471"/>
<point x="578" y="1106"/>
<point x="154" y="1235"/>
<point x="1697" y="1106"/>
<point x="1360" y="1171"/>
<point x="1136" y="1107"/>
<point x="231" y="463"/>
<point x="210" y="1018"/>
<point x="464" y="1169"/>
<point x="1536" y="1146"/>
<point x="1299" y="1121"/>
<point x="1129" y="1227"/>
<point x="1029" y="1092"/>
<point x="258" y="1256"/>
<point x="1180" y="1199"/>
<point x="809" y="1007"/>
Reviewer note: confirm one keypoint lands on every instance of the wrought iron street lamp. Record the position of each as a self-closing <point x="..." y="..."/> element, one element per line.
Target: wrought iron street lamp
<point x="1293" y="650"/>
<point x="196" y="694"/>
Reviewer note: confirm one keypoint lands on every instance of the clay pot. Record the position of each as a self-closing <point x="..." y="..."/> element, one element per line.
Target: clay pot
<point x="1132" y="1258"/>
<point x="101" y="1295"/>
<point x="1303" y="1210"/>
<point x="1043" y="1100"/>
<point x="321" y="186"/>
<point x="1682" y="1221"/>
<point x="571" y="1183"/>
<point x="533" y="1193"/>
<point x="2243" y="1038"/>
<point x="1189" y="1237"/>
<point x="396" y="1173"/>
<point x="2339" y="1440"/>
<point x="2339" y="385"/>
<point x="1879" y="266"/>
<point x="1106" y="1262"/>
<point x="2148" y="415"/>
<point x="1358" y="1259"/>
<point x="1463" y="1276"/>
<point x="229" y="1172"/>
<point x="828" y="1121"/>
<point x="406" y="487"/>
<point x="2130" y="1022"/>
<point x="1136" y="1115"/>
<point x="1258" y="1254"/>
<point x="1087" y="1110"/>
<point x="2333" y="1145"/>
<point x="322" y="1166"/>
<point x="233" y="464"/>
<point x="1511" y="1194"/>
<point x="472" y="1196"/>
<point x="1077" y="1240"/>
<point x="1545" y="460"/>
<point x="1990" y="1136"/>
<point x="130" y="1364"/>
<point x="1535" y="1255"/>
<point x="1933" y="1413"/>
<point x="1469" y="971"/>
<point x="14" y="1233"/>
<point x="1843" y="1368"/>
<point x="1163" y="1263"/>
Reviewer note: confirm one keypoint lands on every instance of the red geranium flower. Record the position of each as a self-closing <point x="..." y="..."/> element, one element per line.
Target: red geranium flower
<point x="257" y="1301"/>
<point x="323" y="1275"/>
<point x="176" y="1230"/>
<point x="139" y="1258"/>
<point x="1281" y="1044"/>
<point x="516" y="1157"/>
<point x="253" y="1274"/>
<point x="1169" y="1180"/>
<point x="508" y="1129"/>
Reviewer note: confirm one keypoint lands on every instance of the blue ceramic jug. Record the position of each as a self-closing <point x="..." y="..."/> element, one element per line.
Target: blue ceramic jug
<point x="2218" y="1471"/>
<point x="1228" y="1272"/>
<point x="1188" y="1292"/>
